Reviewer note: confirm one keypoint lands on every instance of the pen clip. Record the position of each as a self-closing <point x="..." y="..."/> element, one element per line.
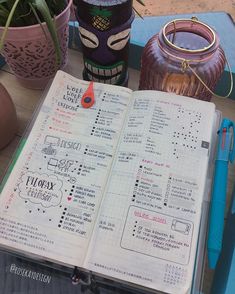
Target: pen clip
<point x="226" y="125"/>
<point x="232" y="147"/>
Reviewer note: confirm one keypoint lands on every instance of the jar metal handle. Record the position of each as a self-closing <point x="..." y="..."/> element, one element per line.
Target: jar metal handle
<point x="185" y="63"/>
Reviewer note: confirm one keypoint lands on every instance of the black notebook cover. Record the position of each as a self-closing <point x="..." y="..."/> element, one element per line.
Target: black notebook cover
<point x="21" y="276"/>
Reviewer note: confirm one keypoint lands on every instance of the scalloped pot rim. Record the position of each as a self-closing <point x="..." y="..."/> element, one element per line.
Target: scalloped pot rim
<point x="12" y="29"/>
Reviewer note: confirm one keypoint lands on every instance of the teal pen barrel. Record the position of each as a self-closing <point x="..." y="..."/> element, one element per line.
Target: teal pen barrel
<point x="218" y="203"/>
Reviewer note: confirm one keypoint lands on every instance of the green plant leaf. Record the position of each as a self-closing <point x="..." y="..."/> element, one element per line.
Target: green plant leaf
<point x="141" y="2"/>
<point x="42" y="7"/>
<point x="8" y="24"/>
<point x="4" y="10"/>
<point x="3" y="15"/>
<point x="137" y="12"/>
<point x="57" y="6"/>
<point x="100" y="12"/>
<point x="23" y="16"/>
<point x="38" y="19"/>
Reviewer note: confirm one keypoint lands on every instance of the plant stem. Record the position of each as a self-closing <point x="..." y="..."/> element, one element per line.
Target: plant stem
<point x="141" y="2"/>
<point x="38" y="19"/>
<point x="41" y="5"/>
<point x="8" y="24"/>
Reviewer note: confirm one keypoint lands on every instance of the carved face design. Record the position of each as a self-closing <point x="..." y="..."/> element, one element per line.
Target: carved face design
<point x="105" y="50"/>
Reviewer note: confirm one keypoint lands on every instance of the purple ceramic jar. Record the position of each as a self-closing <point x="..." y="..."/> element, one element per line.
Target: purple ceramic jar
<point x="183" y="58"/>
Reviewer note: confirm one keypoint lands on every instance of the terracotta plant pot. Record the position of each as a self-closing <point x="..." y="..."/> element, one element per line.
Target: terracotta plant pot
<point x="8" y="120"/>
<point x="31" y="55"/>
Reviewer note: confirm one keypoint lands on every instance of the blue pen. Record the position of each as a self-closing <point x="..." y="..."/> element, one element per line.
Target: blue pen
<point x="218" y="201"/>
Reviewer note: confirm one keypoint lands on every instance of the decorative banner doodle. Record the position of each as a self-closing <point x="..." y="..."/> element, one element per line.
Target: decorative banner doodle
<point x="41" y="189"/>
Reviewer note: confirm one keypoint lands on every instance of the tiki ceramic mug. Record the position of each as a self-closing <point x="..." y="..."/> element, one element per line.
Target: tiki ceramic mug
<point x="104" y="30"/>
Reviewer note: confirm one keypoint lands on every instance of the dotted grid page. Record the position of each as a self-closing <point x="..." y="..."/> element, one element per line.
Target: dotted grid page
<point x="147" y="229"/>
<point x="50" y="202"/>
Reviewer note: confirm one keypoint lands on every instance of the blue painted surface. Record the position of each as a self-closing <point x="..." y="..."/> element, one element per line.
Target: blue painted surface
<point x="221" y="22"/>
<point x="224" y="156"/>
<point x="143" y="30"/>
<point x="224" y="278"/>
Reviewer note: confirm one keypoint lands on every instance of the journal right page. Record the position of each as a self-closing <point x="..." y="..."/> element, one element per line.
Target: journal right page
<point x="147" y="229"/>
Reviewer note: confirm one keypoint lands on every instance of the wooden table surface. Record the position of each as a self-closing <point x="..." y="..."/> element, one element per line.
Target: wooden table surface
<point x="26" y="101"/>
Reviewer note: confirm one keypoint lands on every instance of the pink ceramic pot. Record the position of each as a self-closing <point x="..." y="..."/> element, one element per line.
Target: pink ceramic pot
<point x="8" y="120"/>
<point x="31" y="55"/>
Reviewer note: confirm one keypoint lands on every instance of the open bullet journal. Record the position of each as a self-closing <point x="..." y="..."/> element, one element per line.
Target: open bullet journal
<point x="115" y="189"/>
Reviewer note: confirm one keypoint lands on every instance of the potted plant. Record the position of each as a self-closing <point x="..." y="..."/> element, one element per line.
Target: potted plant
<point x="34" y="38"/>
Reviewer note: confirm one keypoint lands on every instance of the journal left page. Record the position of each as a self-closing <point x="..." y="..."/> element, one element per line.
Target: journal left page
<point x="50" y="201"/>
